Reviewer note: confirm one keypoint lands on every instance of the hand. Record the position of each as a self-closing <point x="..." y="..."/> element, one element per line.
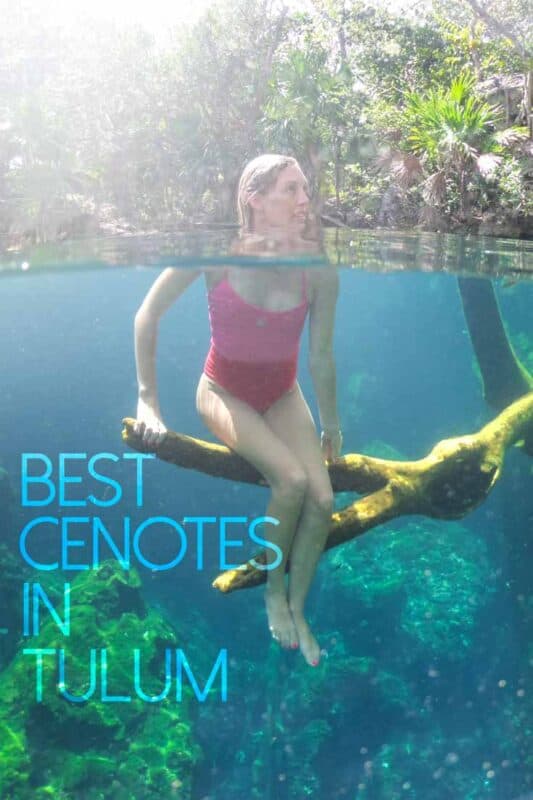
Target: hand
<point x="331" y="443"/>
<point x="149" y="425"/>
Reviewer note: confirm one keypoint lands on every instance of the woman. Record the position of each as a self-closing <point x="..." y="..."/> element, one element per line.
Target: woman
<point x="248" y="395"/>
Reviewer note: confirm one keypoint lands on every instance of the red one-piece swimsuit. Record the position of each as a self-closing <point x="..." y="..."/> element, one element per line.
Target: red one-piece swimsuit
<point x="254" y="351"/>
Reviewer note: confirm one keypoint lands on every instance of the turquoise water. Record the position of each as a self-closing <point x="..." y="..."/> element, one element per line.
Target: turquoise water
<point x="424" y="690"/>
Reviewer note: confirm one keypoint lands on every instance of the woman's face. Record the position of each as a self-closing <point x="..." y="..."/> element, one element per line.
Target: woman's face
<point x="284" y="204"/>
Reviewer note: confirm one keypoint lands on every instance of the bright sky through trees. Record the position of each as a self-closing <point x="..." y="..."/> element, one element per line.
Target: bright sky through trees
<point x="155" y="15"/>
<point x="152" y="14"/>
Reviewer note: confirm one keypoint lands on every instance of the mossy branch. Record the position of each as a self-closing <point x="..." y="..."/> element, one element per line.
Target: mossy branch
<point x="449" y="482"/>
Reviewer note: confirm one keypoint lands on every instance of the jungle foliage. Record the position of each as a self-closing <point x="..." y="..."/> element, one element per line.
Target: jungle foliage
<point x="398" y="121"/>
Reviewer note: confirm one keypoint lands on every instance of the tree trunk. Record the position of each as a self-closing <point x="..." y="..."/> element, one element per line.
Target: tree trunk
<point x="504" y="378"/>
<point x="529" y="102"/>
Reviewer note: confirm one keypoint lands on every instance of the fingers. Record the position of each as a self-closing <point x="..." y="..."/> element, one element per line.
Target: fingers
<point x="152" y="436"/>
<point x="336" y="448"/>
<point x="331" y="446"/>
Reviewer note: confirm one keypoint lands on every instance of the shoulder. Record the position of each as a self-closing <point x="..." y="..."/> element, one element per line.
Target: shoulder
<point x="166" y="288"/>
<point x="174" y="280"/>
<point x="322" y="284"/>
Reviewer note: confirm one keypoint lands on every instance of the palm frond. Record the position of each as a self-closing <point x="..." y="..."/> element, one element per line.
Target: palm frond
<point x="405" y="168"/>
<point x="449" y="121"/>
<point x="511" y="136"/>
<point x="434" y="190"/>
<point x="488" y="163"/>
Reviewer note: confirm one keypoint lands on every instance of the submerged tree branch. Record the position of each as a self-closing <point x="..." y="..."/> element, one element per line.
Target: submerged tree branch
<point x="504" y="377"/>
<point x="450" y="481"/>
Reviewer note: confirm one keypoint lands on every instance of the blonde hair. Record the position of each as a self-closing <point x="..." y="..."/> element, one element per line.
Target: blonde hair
<point x="259" y="175"/>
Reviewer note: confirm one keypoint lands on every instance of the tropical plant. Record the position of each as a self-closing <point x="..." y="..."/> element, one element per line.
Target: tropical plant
<point x="450" y="143"/>
<point x="101" y="124"/>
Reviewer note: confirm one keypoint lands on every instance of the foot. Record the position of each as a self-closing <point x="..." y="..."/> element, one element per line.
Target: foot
<point x="280" y="620"/>
<point x="308" y="644"/>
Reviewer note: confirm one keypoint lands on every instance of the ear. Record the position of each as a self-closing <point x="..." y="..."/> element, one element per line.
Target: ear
<point x="255" y="201"/>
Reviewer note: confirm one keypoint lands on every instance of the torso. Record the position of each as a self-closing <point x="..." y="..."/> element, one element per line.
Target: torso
<point x="272" y="290"/>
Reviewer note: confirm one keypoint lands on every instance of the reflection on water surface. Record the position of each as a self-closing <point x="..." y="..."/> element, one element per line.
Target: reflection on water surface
<point x="375" y="251"/>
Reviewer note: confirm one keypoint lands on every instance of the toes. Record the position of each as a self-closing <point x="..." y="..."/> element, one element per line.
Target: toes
<point x="281" y="623"/>
<point x="282" y="637"/>
<point x="278" y="635"/>
<point x="288" y="639"/>
<point x="308" y="644"/>
<point x="311" y="653"/>
<point x="285" y="635"/>
<point x="293" y="638"/>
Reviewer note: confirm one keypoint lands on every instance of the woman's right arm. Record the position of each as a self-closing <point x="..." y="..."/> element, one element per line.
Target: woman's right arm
<point x="165" y="290"/>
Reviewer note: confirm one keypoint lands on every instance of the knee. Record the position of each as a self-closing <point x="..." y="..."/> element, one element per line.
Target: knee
<point x="291" y="485"/>
<point x="322" y="501"/>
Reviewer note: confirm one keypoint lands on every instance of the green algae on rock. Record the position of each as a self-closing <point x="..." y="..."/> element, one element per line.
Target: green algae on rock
<point x="96" y="749"/>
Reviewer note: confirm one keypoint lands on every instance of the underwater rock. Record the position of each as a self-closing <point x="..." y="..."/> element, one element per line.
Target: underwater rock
<point x="12" y="574"/>
<point x="434" y="594"/>
<point x="7" y="496"/>
<point x="419" y="763"/>
<point x="297" y="717"/>
<point x="95" y="750"/>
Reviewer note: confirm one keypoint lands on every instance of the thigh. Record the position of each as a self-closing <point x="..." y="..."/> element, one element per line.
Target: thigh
<point x="291" y="420"/>
<point x="243" y="429"/>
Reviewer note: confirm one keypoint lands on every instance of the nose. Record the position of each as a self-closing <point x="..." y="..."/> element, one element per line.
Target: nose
<point x="303" y="197"/>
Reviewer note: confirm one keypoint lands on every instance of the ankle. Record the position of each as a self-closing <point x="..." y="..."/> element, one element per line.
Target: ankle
<point x="297" y="613"/>
<point x="275" y="591"/>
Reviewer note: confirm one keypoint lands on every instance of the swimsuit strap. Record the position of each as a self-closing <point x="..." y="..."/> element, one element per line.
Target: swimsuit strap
<point x="222" y="279"/>
<point x="304" y="287"/>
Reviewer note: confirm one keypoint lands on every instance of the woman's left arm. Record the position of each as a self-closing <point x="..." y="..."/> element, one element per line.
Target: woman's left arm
<point x="321" y="358"/>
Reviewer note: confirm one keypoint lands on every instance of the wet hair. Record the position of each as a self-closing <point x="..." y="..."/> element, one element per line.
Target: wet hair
<point x="259" y="175"/>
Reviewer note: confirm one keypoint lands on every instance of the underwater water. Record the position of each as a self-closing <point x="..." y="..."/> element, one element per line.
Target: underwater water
<point x="424" y="690"/>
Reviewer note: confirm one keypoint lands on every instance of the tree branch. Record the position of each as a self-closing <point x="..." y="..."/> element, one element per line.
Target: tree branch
<point x="449" y="482"/>
<point x="498" y="27"/>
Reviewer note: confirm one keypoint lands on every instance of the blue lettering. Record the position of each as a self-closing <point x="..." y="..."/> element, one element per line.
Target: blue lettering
<point x="22" y="543"/>
<point x="63" y="480"/>
<point x="27" y="479"/>
<point x="221" y="663"/>
<point x="265" y="543"/>
<point x="152" y="521"/>
<point x="104" y="479"/>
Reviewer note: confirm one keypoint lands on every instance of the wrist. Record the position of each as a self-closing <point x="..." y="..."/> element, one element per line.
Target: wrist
<point x="331" y="430"/>
<point x="333" y="426"/>
<point x="147" y="396"/>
